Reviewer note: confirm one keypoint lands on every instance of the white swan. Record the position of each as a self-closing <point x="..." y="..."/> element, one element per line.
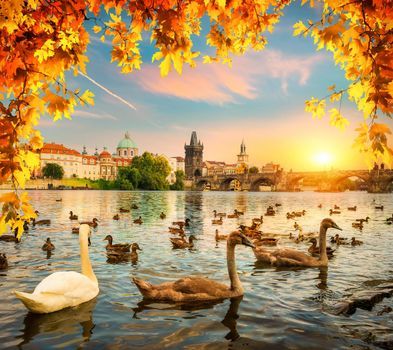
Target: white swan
<point x="65" y="288"/>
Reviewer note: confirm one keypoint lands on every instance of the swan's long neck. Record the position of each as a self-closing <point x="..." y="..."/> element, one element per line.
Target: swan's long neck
<point x="232" y="272"/>
<point x="322" y="245"/>
<point x="87" y="270"/>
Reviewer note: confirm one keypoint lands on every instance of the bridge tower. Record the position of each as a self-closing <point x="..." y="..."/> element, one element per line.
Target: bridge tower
<point x="242" y="159"/>
<point x="194" y="157"/>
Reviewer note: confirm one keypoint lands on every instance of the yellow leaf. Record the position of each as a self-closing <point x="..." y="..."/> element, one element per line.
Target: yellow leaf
<point x="46" y="51"/>
<point x="221" y="3"/>
<point x="97" y="29"/>
<point x="165" y="66"/>
<point x="87" y="98"/>
<point x="299" y="28"/>
<point x="157" y="56"/>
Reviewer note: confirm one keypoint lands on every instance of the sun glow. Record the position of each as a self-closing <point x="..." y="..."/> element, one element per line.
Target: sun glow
<point x="323" y="158"/>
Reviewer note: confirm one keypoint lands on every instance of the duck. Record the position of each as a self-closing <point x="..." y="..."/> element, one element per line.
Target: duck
<point x="3" y="261"/>
<point x="162" y="215"/>
<point x="134" y="253"/>
<point x="336" y="207"/>
<point x="363" y="220"/>
<point x="59" y="200"/>
<point x="180" y="243"/>
<point x="270" y="211"/>
<point x="182" y="237"/>
<point x="116" y="217"/>
<point x="48" y="245"/>
<point x="120" y="247"/>
<point x="233" y="216"/>
<point x="331" y="211"/>
<point x="64" y="289"/>
<point x="75" y="230"/>
<point x="290" y="216"/>
<point x="134" y="206"/>
<point x="93" y="223"/>
<point x="123" y="210"/>
<point x="73" y="216"/>
<point x="221" y="215"/>
<point x="338" y="240"/>
<point x="10" y="238"/>
<point x="220" y="237"/>
<point x="138" y="221"/>
<point x="238" y="212"/>
<point x="199" y="288"/>
<point x="217" y="221"/>
<point x="352" y="208"/>
<point x="379" y="207"/>
<point x="181" y="224"/>
<point x="176" y="230"/>
<point x="40" y="222"/>
<point x="358" y="225"/>
<point x="354" y="241"/>
<point x="320" y="205"/>
<point x="292" y="257"/>
<point x="314" y="249"/>
<point x="278" y="204"/>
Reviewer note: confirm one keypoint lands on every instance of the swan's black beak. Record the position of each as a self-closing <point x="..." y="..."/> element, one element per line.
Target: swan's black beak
<point x="247" y="242"/>
<point x="336" y="226"/>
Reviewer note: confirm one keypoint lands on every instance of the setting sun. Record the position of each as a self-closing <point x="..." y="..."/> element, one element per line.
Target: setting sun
<point x="323" y="158"/>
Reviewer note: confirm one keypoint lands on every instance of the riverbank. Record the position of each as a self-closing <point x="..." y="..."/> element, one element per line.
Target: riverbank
<point x="45" y="184"/>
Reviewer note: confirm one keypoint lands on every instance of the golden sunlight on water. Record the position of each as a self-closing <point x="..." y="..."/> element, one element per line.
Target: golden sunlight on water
<point x="282" y="308"/>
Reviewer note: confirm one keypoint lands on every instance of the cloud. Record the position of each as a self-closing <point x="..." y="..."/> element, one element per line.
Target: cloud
<point x="219" y="84"/>
<point x="93" y="115"/>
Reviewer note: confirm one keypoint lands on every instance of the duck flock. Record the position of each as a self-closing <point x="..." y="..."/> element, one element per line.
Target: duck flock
<point x="65" y="289"/>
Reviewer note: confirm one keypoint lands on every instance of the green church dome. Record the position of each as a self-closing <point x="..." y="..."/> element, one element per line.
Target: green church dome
<point x="127" y="142"/>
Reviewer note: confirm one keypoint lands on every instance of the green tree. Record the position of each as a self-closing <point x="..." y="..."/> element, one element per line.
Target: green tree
<point x="53" y="171"/>
<point x="253" y="170"/>
<point x="147" y="172"/>
<point x="179" y="183"/>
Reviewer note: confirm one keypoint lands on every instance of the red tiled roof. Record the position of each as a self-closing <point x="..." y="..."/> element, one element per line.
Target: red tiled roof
<point x="105" y="154"/>
<point x="55" y="148"/>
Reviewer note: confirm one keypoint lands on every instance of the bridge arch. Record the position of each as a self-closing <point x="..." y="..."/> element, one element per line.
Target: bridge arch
<point x="260" y="181"/>
<point x="203" y="185"/>
<point x="231" y="183"/>
<point x="339" y="182"/>
<point x="294" y="182"/>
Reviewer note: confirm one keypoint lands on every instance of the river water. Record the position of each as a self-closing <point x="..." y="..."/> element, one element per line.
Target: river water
<point x="281" y="308"/>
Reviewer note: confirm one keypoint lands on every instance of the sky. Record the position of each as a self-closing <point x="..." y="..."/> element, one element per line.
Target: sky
<point x="260" y="99"/>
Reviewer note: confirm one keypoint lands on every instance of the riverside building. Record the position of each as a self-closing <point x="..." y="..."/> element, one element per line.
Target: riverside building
<point x="82" y="165"/>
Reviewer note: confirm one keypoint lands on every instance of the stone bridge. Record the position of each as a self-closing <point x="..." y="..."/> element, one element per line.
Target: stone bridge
<point x="373" y="180"/>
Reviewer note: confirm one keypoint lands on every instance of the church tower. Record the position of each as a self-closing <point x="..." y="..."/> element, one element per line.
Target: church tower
<point x="194" y="157"/>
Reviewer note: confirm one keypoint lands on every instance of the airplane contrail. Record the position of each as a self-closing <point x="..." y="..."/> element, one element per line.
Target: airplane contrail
<point x="107" y="90"/>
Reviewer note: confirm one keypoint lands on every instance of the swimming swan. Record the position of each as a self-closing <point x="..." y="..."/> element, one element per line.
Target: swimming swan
<point x="64" y="289"/>
<point x="292" y="257"/>
<point x="199" y="288"/>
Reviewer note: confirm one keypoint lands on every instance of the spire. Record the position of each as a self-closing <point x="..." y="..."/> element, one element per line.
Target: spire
<point x="96" y="153"/>
<point x="194" y="139"/>
<point x="84" y="150"/>
<point x="127" y="135"/>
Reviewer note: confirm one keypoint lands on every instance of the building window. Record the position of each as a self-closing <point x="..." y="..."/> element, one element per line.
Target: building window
<point x="132" y="153"/>
<point x="125" y="152"/>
